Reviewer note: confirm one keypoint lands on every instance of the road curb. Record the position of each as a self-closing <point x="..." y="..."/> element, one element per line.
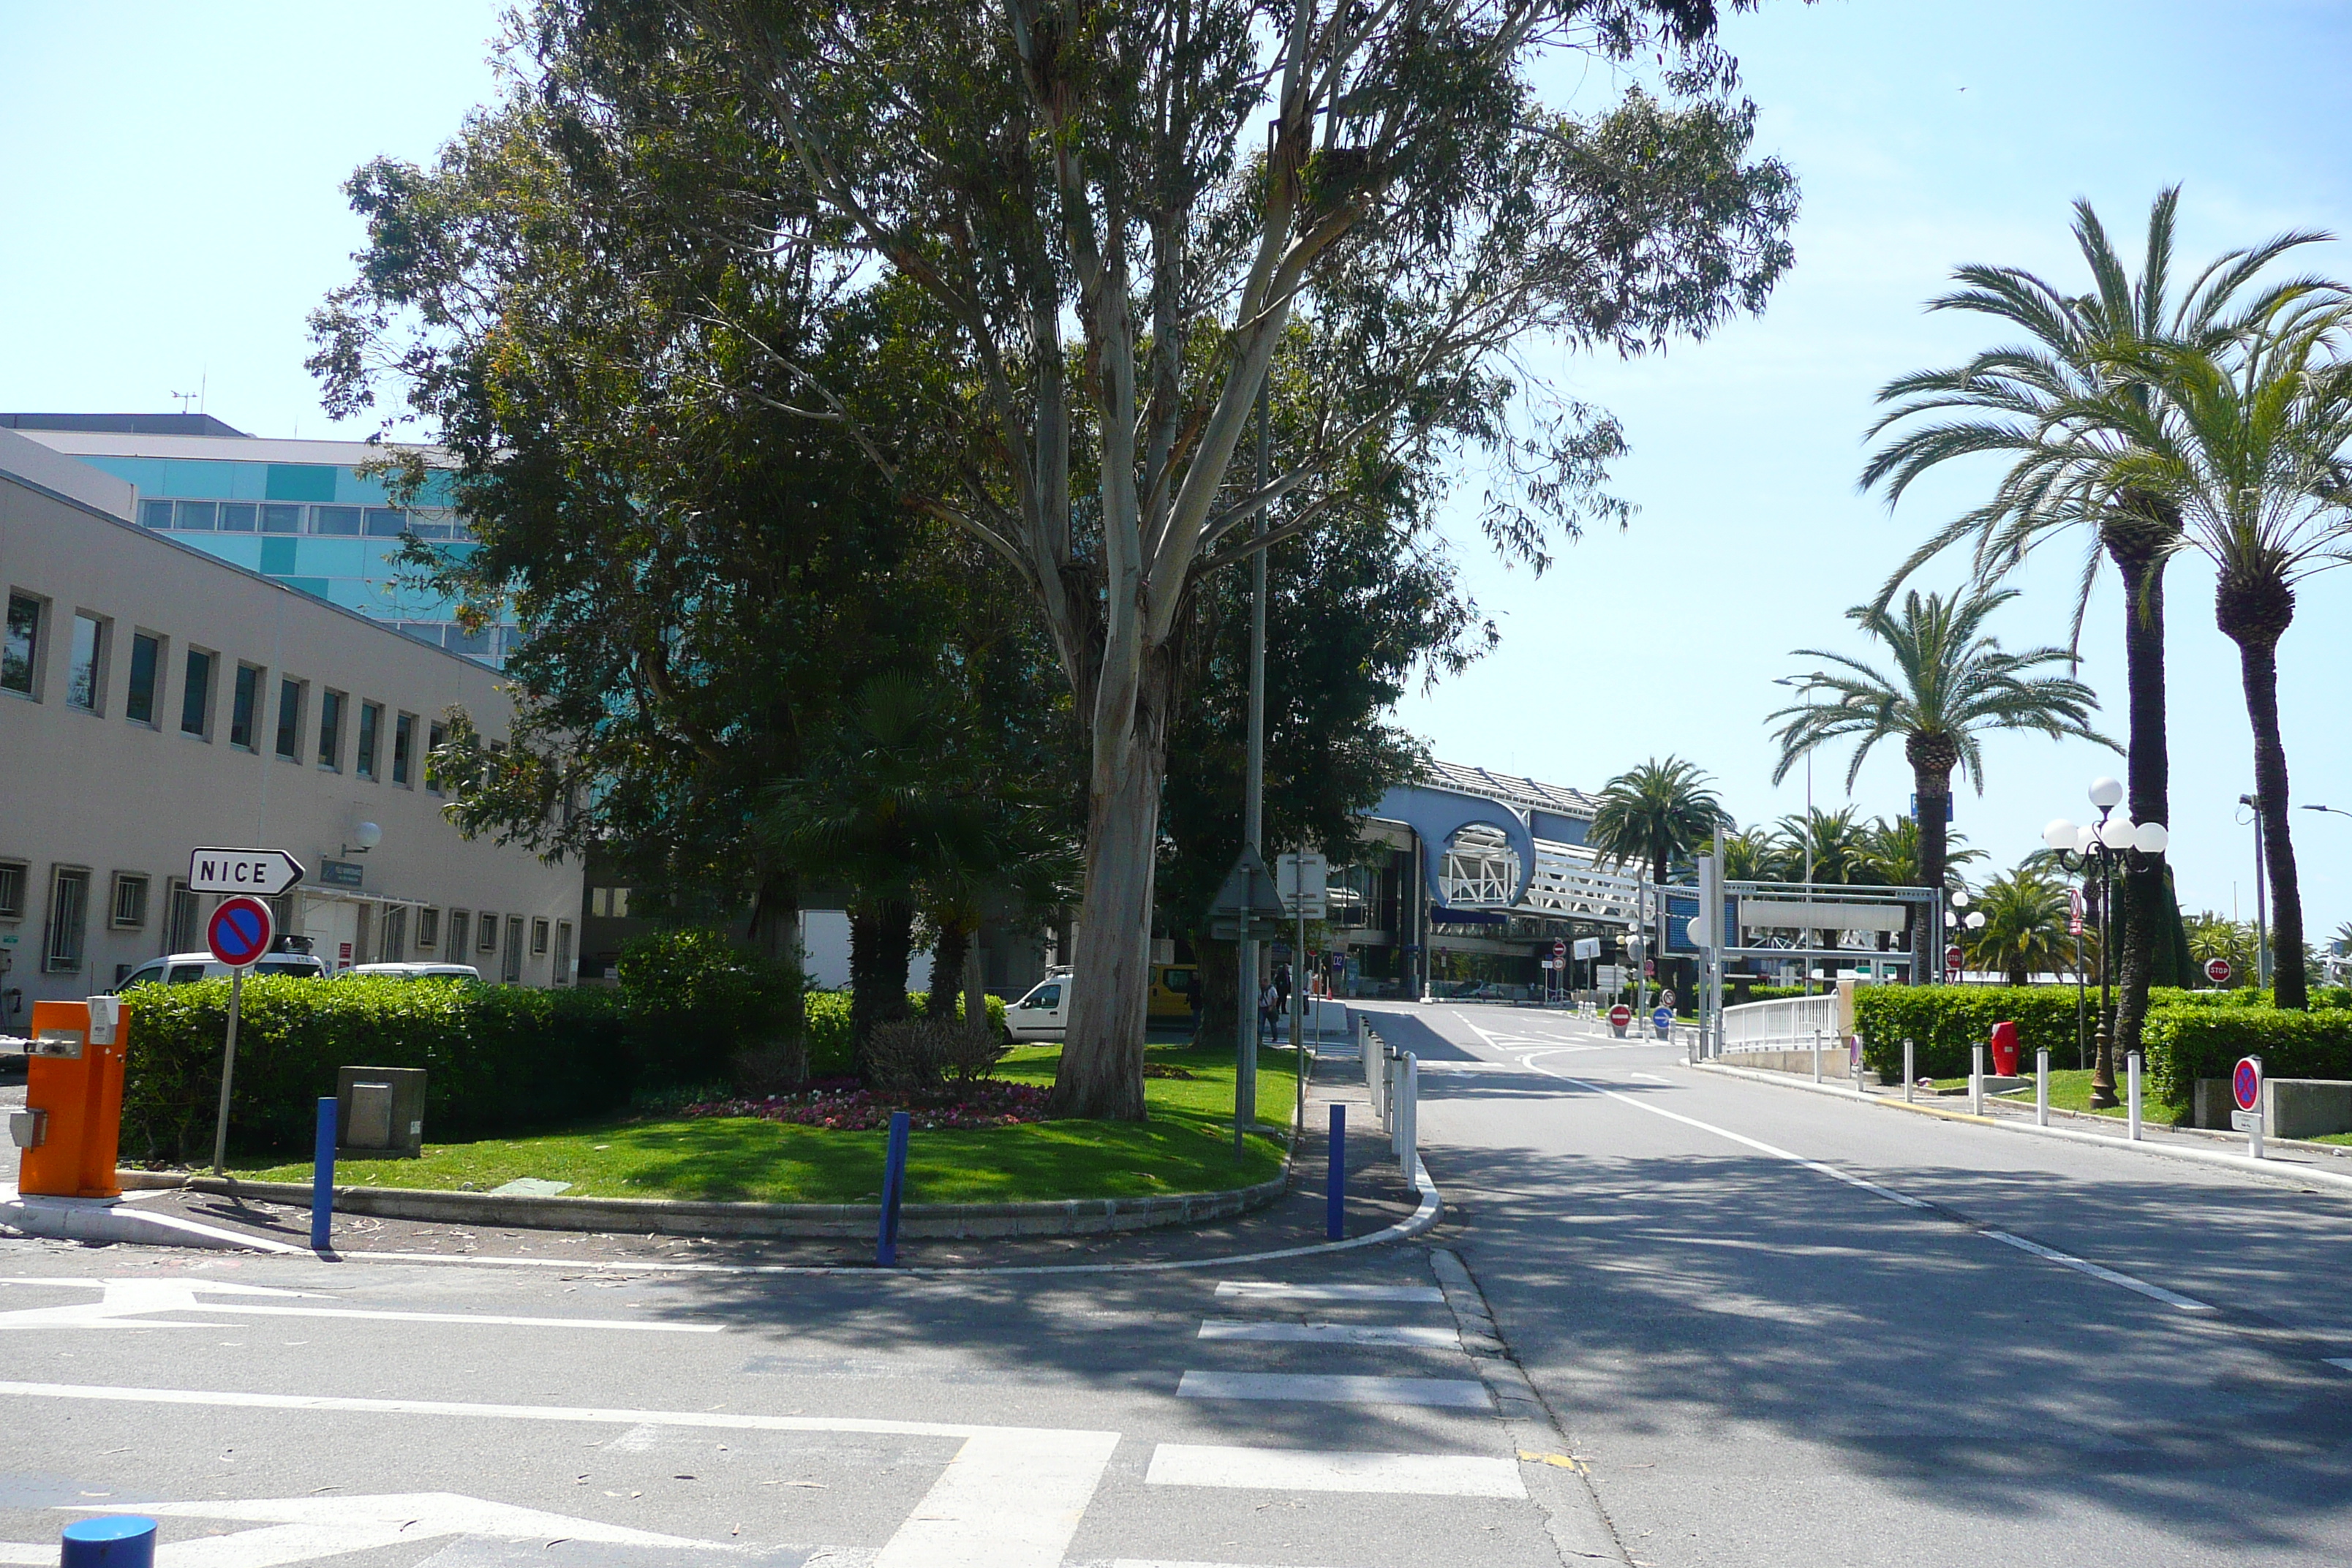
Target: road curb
<point x="2276" y="1169"/>
<point x="106" y="1220"/>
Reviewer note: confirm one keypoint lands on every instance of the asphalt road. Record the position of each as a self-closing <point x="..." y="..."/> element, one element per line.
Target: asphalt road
<point x="1758" y="1358"/>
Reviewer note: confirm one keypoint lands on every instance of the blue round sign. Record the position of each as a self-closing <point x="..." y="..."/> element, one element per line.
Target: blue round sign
<point x="1663" y="1017"/>
<point x="2246" y="1084"/>
<point x="239" y="932"/>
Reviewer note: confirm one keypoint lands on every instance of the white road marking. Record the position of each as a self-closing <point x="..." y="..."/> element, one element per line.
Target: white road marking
<point x="305" y="1529"/>
<point x="1004" y="1505"/>
<point x="1016" y="1502"/>
<point x="2340" y="1361"/>
<point x="1267" y="1289"/>
<point x="1471" y="1067"/>
<point x="2065" y="1259"/>
<point x="127" y="1303"/>
<point x="1320" y="1388"/>
<point x="1330" y="1334"/>
<point x="1287" y="1469"/>
<point x="1647" y="1076"/>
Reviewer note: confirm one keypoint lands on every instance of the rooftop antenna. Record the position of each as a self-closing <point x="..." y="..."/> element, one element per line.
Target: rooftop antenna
<point x="186" y="397"/>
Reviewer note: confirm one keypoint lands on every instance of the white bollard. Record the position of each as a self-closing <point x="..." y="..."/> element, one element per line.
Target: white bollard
<point x="2131" y="1094"/>
<point x="1408" y="1115"/>
<point x="2041" y="1086"/>
<point x="1976" y="1080"/>
<point x="1909" y="1075"/>
<point x="1817" y="1056"/>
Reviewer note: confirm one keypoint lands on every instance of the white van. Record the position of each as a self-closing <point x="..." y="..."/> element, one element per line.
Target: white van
<point x="459" y="972"/>
<point x="185" y="968"/>
<point x="1043" y="1013"/>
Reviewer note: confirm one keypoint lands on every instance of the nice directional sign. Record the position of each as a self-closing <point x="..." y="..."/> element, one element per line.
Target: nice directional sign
<point x="265" y="873"/>
<point x="239" y="932"/>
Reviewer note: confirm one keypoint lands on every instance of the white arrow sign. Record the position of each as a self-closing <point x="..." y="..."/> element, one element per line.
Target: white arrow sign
<point x="265" y="873"/>
<point x="306" y="1529"/>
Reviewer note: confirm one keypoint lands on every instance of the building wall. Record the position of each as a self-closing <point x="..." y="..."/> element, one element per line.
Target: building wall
<point x="96" y="791"/>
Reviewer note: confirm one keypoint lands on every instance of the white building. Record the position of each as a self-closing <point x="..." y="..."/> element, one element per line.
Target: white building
<point x="154" y="698"/>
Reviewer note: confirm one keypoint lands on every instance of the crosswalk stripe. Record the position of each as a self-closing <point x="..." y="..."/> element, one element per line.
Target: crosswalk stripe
<point x="1332" y="1388"/>
<point x="1255" y="1290"/>
<point x="1329" y="1333"/>
<point x="1287" y="1469"/>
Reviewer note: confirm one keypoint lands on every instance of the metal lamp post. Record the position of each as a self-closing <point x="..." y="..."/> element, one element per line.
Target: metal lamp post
<point x="1791" y="680"/>
<point x="2104" y="849"/>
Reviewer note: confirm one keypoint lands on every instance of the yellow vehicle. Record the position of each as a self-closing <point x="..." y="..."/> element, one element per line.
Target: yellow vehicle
<point x="1172" y="991"/>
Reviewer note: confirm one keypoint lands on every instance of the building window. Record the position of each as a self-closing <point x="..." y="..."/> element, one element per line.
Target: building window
<point x="512" y="972"/>
<point x="612" y="902"/>
<point x="289" y="719"/>
<point x="196" y="695"/>
<point x="539" y="938"/>
<point x="86" y="670"/>
<point x="146" y="660"/>
<point x="433" y="738"/>
<point x="370" y="721"/>
<point x="13" y="877"/>
<point x="155" y="513"/>
<point x="20" y="648"/>
<point x="197" y="516"/>
<point x="335" y="519"/>
<point x="244" y="708"/>
<point x="384" y="522"/>
<point x="236" y="516"/>
<point x="331" y="731"/>
<point x="404" y="746"/>
<point x="128" y="906"/>
<point x="277" y="517"/>
<point x="179" y="917"/>
<point x="563" y="952"/>
<point x="485" y="932"/>
<point x="428" y="929"/>
<point x="458" y="927"/>
<point x="61" y="952"/>
<point x="395" y="946"/>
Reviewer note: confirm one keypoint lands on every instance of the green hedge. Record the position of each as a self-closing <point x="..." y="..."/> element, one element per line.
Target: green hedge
<point x="2186" y="1043"/>
<point x="829" y="1052"/>
<point x="497" y="1057"/>
<point x="1942" y="1022"/>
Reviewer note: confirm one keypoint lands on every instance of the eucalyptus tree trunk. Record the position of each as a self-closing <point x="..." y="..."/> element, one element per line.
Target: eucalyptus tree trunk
<point x="2254" y="614"/>
<point x="2138" y="542"/>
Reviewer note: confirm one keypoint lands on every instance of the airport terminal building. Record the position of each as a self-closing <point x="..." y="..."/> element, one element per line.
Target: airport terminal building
<point x="158" y="693"/>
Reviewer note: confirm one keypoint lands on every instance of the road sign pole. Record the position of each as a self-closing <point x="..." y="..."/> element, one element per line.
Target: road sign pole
<point x="228" y="1072"/>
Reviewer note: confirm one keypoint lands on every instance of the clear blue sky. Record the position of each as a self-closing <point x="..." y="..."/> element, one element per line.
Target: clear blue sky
<point x="171" y="213"/>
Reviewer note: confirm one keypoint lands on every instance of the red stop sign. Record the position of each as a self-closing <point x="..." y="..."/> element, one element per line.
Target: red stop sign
<point x="2218" y="971"/>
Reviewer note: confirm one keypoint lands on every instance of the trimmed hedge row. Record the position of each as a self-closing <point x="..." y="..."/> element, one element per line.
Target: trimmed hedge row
<point x="2189" y="1034"/>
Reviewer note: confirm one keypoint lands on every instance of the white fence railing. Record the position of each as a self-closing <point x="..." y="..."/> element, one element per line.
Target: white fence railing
<point x="1789" y="1024"/>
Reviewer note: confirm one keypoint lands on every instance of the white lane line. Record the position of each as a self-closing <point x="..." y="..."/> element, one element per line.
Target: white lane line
<point x="1330" y="1334"/>
<point x="1322" y="1388"/>
<point x="1268" y="1290"/>
<point x="18" y="1554"/>
<point x="1004" y="1505"/>
<point x="2066" y="1259"/>
<point x="150" y="1303"/>
<point x="471" y="1318"/>
<point x="1289" y="1469"/>
<point x="2339" y="1362"/>
<point x="1647" y="1076"/>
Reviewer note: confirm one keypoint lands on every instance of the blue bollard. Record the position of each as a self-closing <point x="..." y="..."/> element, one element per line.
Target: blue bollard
<point x="894" y="1185"/>
<point x="322" y="1177"/>
<point x="111" y="1540"/>
<point x="1335" y="1219"/>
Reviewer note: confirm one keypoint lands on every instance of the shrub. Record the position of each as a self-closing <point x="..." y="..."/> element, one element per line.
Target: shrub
<point x="830" y="1052"/>
<point x="1942" y="1022"/>
<point x="2186" y="1043"/>
<point x="920" y="1057"/>
<point x="698" y="975"/>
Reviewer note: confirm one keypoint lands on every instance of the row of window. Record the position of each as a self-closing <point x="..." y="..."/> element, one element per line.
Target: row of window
<point x="384" y="742"/>
<point x="473" y="935"/>
<point x="290" y="517"/>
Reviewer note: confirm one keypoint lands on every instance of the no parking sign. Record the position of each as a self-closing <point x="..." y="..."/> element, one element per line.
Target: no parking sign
<point x="240" y="932"/>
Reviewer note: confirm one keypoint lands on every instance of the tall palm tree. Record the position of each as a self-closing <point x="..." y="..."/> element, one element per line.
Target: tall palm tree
<point x="1840" y="848"/>
<point x="2253" y="447"/>
<point x="1892" y="851"/>
<point x="1950" y="682"/>
<point x="2054" y="405"/>
<point x="2024" y="933"/>
<point x="1656" y="814"/>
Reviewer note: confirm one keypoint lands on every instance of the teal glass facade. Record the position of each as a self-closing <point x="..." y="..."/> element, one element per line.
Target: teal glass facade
<point x="326" y="530"/>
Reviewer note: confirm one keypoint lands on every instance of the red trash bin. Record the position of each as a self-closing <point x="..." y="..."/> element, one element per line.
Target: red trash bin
<point x="2004" y="1048"/>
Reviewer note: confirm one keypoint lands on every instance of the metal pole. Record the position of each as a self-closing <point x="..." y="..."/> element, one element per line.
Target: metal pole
<point x="894" y="1186"/>
<point x="2041" y="1086"/>
<point x="1298" y="1010"/>
<point x="1253" y="799"/>
<point x="1908" y="1079"/>
<point x="322" y="1177"/>
<point x="2262" y="1105"/>
<point x="1335" y="1183"/>
<point x="2131" y="1073"/>
<point x="228" y="1072"/>
<point x="1817" y="1056"/>
<point x="2261" y="900"/>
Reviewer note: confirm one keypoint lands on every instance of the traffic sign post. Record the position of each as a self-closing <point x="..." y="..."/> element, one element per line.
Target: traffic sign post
<point x="1952" y="959"/>
<point x="2246" y="1088"/>
<point x="265" y="873"/>
<point x="2218" y="971"/>
<point x="239" y="932"/>
<point x="1661" y="1018"/>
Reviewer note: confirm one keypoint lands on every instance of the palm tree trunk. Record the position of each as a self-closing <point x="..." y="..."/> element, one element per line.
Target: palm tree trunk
<point x="1933" y="758"/>
<point x="2139" y="562"/>
<point x="2252" y="614"/>
<point x="881" y="937"/>
<point x="947" y="966"/>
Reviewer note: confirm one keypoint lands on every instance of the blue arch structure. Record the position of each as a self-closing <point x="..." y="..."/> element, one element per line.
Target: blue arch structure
<point x="1436" y="815"/>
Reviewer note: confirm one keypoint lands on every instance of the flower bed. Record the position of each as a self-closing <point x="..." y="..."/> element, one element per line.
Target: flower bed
<point x="845" y="1107"/>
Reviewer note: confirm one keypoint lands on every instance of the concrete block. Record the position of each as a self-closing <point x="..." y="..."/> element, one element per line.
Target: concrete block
<point x="2213" y="1102"/>
<point x="2305" y="1107"/>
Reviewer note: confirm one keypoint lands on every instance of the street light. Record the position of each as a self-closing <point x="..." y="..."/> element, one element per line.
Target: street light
<point x="2103" y="846"/>
<point x="1808" y="686"/>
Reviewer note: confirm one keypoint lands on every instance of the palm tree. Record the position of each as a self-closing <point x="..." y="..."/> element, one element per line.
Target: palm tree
<point x="1892" y="851"/>
<point x="2253" y="447"/>
<point x="2024" y="933"/>
<point x="1839" y="848"/>
<point x="2056" y="406"/>
<point x="1656" y="814"/>
<point x="1950" y="682"/>
<point x="2212" y="936"/>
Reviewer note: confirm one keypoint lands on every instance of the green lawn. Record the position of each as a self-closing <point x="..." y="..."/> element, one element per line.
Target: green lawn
<point x="1182" y="1149"/>
<point x="2070" y="1090"/>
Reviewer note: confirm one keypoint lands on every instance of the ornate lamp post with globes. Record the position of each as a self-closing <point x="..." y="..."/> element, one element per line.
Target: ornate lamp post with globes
<point x="2102" y="850"/>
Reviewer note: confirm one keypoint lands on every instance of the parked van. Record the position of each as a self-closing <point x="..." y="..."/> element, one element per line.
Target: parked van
<point x="185" y="968"/>
<point x="1044" y="1012"/>
<point x="1172" y="991"/>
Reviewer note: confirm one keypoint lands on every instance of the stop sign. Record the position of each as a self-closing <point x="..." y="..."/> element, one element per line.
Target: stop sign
<point x="2218" y="971"/>
<point x="1952" y="959"/>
